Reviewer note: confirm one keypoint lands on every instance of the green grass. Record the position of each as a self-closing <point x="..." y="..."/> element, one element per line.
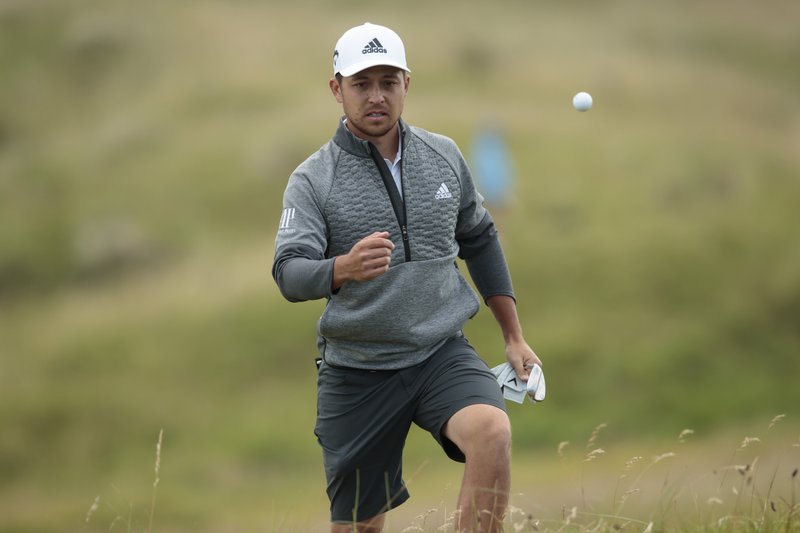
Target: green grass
<point x="144" y="148"/>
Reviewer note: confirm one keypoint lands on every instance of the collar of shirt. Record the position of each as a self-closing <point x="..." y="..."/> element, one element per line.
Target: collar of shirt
<point x="394" y="166"/>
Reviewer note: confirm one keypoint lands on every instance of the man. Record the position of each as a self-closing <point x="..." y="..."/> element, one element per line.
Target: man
<point x="373" y="222"/>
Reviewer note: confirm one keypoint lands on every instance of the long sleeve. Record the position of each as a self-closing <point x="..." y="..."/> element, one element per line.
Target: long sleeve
<point x="300" y="268"/>
<point x="479" y="245"/>
<point x="486" y="262"/>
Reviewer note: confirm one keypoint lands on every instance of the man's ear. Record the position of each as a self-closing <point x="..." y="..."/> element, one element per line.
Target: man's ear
<point x="336" y="89"/>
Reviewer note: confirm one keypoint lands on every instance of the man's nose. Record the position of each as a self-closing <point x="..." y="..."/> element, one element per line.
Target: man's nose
<point x="376" y="95"/>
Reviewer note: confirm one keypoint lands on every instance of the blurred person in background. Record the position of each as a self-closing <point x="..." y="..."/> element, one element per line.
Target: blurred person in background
<point x="373" y="222"/>
<point x="492" y="164"/>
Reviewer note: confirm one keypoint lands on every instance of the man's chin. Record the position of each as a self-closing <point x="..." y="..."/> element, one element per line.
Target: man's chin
<point x="379" y="129"/>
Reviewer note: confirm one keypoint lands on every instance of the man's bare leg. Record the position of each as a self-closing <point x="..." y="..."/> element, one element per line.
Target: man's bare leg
<point x="483" y="433"/>
<point x="373" y="525"/>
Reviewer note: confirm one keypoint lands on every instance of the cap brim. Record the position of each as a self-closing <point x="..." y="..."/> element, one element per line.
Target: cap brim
<point x="363" y="65"/>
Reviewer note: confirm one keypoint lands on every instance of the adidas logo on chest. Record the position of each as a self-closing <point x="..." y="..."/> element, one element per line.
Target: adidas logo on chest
<point x="443" y="192"/>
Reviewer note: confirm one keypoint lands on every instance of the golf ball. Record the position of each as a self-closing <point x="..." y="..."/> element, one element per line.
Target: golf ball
<point x="582" y="101"/>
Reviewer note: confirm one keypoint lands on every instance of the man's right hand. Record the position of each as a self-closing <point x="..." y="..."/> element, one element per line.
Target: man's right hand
<point x="367" y="259"/>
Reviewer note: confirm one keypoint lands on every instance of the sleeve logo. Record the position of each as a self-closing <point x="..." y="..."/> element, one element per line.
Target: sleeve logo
<point x="286" y="220"/>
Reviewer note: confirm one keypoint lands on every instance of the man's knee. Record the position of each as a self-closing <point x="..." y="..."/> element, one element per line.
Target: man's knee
<point x="495" y="433"/>
<point x="480" y="429"/>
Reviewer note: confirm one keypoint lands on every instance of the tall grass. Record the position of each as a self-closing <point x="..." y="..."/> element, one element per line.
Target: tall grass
<point x="712" y="487"/>
<point x="152" y="510"/>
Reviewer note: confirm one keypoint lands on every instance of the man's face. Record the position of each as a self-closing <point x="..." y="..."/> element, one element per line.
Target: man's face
<point x="372" y="99"/>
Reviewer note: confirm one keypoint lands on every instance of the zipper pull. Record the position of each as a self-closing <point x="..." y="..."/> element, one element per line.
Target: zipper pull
<point x="406" y="245"/>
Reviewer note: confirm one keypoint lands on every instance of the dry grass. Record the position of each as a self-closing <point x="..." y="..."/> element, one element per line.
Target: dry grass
<point x="710" y="486"/>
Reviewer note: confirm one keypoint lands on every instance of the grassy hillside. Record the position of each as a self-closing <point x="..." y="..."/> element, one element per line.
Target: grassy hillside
<point x="144" y="147"/>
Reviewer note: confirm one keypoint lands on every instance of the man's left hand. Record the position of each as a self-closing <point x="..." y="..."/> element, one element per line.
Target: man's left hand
<point x="522" y="358"/>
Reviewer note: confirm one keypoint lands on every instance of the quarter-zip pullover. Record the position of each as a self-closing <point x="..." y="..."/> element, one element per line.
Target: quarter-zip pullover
<point x="343" y="193"/>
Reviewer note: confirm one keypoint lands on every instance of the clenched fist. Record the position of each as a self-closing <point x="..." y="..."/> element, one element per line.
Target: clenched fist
<point x="367" y="259"/>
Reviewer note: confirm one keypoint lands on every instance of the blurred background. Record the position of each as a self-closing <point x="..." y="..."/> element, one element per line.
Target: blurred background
<point x="654" y="241"/>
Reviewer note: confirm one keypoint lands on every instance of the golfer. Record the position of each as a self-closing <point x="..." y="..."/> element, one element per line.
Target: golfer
<point x="373" y="222"/>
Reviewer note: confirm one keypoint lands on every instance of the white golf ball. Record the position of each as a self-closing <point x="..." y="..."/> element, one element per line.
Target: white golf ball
<point x="582" y="101"/>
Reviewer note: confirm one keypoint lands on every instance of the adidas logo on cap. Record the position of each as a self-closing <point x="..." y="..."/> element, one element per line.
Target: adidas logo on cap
<point x="374" y="47"/>
<point x="383" y="47"/>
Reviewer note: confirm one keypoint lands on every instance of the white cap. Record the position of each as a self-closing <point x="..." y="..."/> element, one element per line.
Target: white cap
<point x="366" y="46"/>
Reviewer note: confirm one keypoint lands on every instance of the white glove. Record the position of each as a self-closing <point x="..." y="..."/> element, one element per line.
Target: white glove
<point x="515" y="389"/>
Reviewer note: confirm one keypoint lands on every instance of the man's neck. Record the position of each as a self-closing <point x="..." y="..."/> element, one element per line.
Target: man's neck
<point x="387" y="145"/>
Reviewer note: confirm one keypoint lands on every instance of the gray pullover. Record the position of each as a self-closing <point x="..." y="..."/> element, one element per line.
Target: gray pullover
<point x="343" y="193"/>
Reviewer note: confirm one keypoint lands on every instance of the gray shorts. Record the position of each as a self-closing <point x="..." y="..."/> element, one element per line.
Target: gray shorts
<point x="363" y="418"/>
